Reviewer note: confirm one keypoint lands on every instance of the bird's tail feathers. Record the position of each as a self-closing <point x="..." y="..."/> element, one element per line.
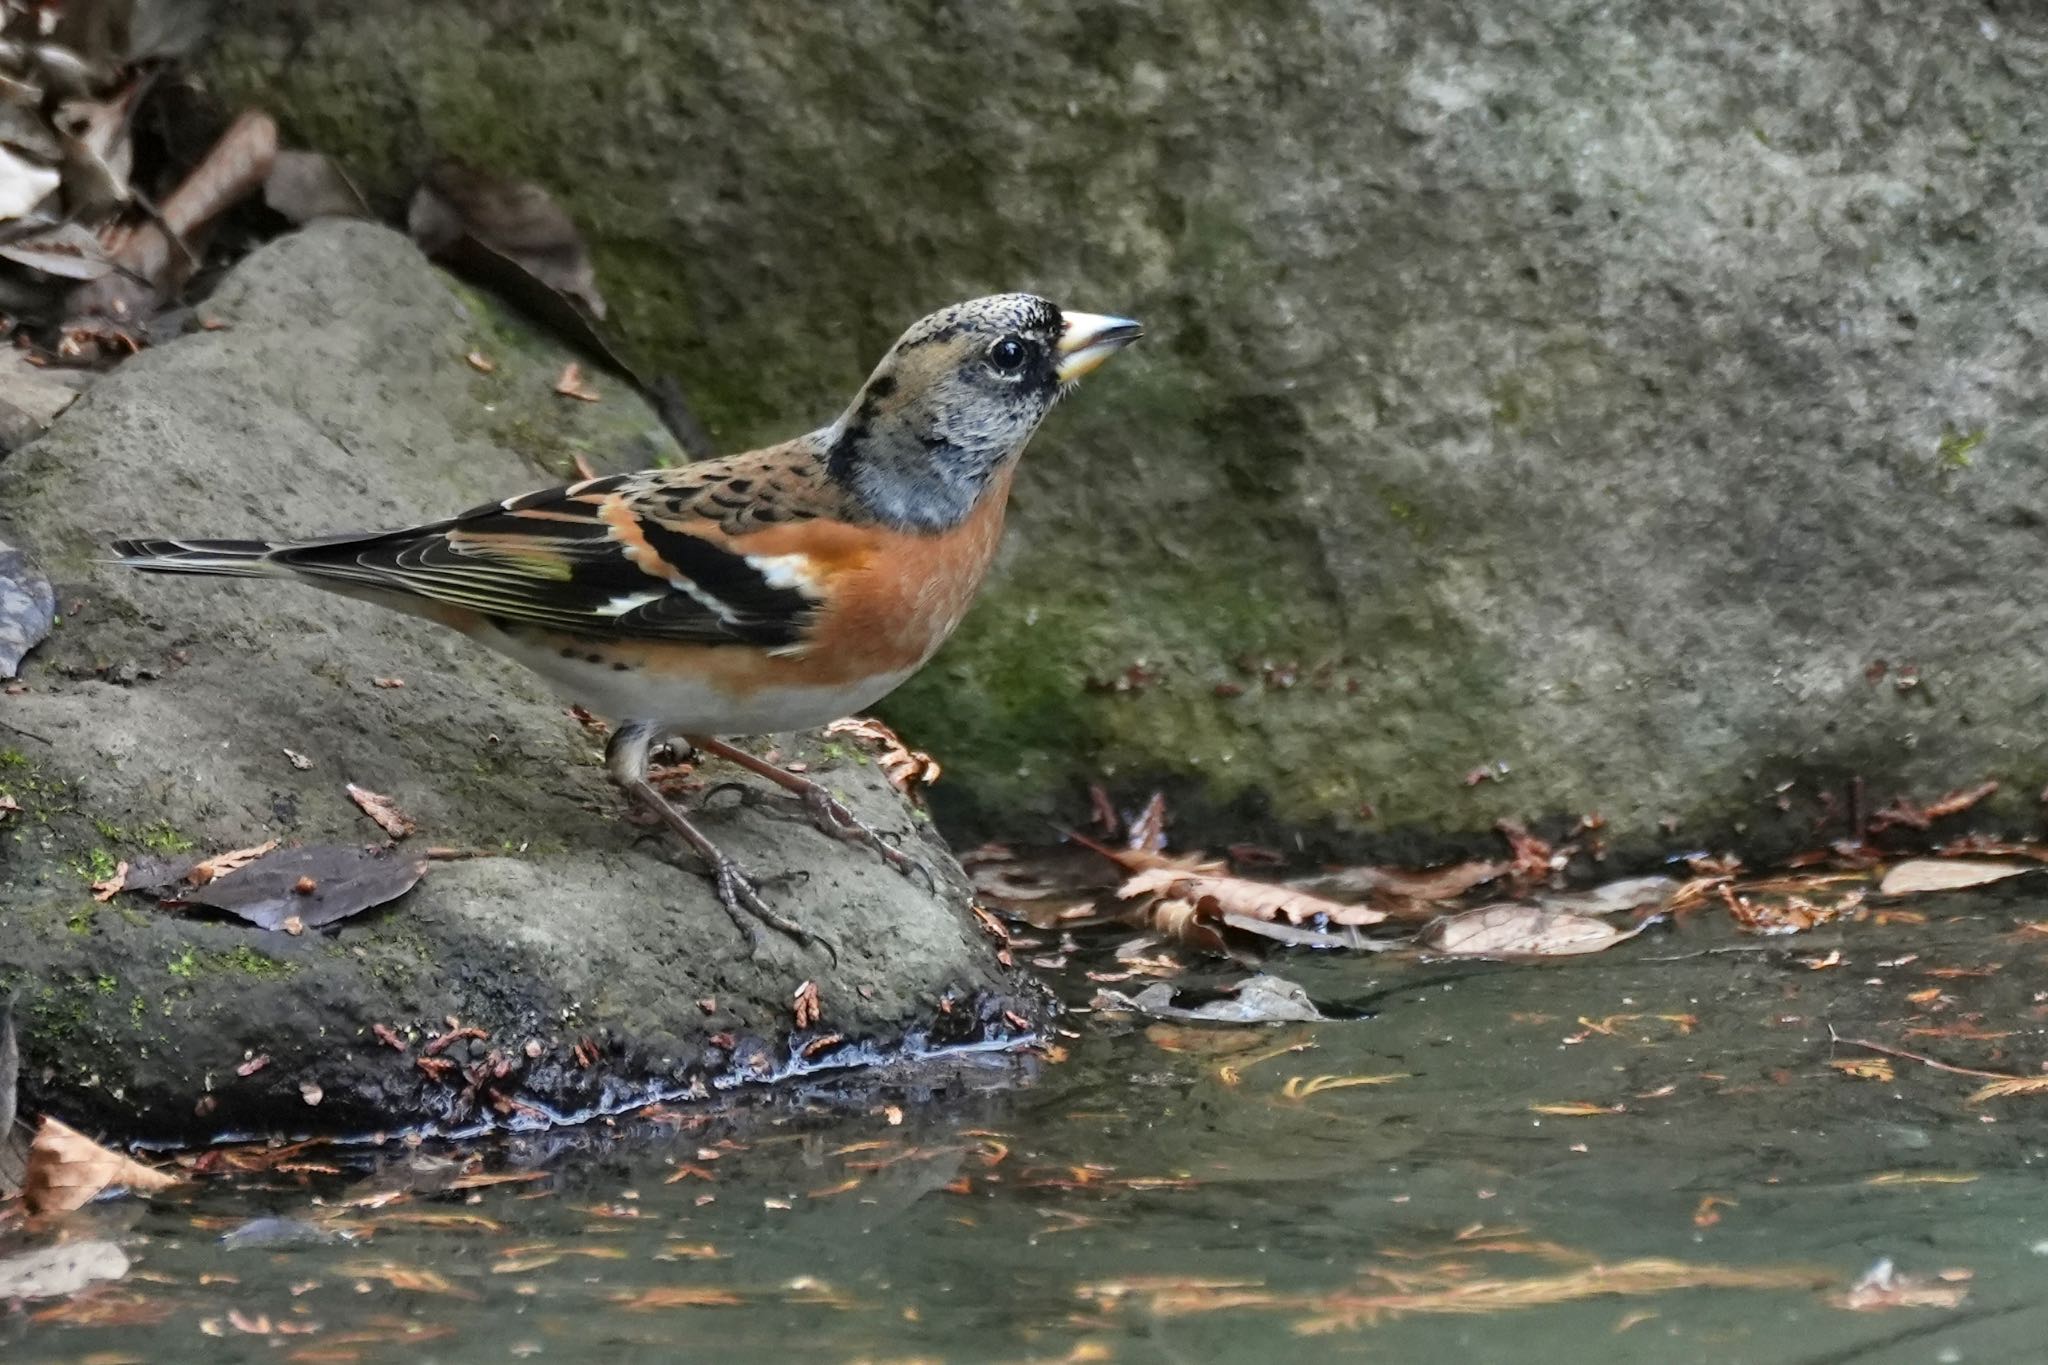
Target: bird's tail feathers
<point x="233" y="558"/>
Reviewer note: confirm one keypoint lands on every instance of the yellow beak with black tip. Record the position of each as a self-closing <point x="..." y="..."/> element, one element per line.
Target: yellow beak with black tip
<point x="1090" y="339"/>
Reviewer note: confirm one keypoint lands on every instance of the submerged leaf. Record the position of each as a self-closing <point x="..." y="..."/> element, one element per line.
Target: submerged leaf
<point x="67" y="1170"/>
<point x="1512" y="930"/>
<point x="52" y="1272"/>
<point x="1241" y="896"/>
<point x="1919" y="875"/>
<point x="1258" y="1000"/>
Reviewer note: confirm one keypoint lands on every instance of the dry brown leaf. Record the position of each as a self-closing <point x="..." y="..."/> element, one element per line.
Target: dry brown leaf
<point x="1241" y="896"/>
<point x="67" y="1170"/>
<point x="383" y="810"/>
<point x="1515" y="930"/>
<point x="2018" y="1085"/>
<point x="571" y="384"/>
<point x="111" y="887"/>
<point x="1577" y="1109"/>
<point x="1391" y="887"/>
<point x="808" y="1007"/>
<point x="677" y="1296"/>
<point x="1919" y="875"/>
<point x="413" y="1278"/>
<point x="1864" y="1068"/>
<point x="905" y="767"/>
<point x="220" y="865"/>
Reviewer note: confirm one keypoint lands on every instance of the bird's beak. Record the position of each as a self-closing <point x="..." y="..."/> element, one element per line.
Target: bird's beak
<point x="1090" y="339"/>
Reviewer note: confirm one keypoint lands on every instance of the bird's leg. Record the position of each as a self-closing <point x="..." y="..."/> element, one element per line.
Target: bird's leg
<point x="827" y="811"/>
<point x="626" y="758"/>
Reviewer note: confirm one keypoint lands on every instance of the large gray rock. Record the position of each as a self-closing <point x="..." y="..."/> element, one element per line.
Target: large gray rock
<point x="337" y="396"/>
<point x="1595" y="391"/>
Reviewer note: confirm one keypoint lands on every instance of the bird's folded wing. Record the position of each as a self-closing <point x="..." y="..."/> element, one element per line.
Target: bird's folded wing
<point x="587" y="558"/>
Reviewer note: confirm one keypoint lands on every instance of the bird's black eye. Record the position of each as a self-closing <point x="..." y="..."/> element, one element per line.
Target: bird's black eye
<point x="1008" y="355"/>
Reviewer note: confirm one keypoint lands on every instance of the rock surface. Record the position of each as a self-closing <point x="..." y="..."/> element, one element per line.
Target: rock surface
<point x="1620" y="399"/>
<point x="335" y="395"/>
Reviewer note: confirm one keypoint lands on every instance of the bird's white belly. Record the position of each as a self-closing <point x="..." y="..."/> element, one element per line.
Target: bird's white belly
<point x="683" y="705"/>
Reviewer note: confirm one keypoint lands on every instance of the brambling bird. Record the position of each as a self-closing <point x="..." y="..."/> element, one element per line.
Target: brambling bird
<point x="756" y="594"/>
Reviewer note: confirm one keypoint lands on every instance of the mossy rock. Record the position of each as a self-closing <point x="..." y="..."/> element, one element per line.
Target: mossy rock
<point x="335" y="394"/>
<point x="1592" y="396"/>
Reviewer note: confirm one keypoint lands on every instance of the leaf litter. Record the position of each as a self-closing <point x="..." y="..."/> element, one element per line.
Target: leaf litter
<point x="68" y="1170"/>
<point x="276" y="888"/>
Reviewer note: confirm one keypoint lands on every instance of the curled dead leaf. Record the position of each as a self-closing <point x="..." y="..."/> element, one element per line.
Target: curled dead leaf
<point x="905" y="767"/>
<point x="383" y="810"/>
<point x="571" y="384"/>
<point x="67" y="1170"/>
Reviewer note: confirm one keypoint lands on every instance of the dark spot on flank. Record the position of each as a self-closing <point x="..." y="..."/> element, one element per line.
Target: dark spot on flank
<point x="594" y="658"/>
<point x="739" y="485"/>
<point x="568" y="653"/>
<point x="620" y="666"/>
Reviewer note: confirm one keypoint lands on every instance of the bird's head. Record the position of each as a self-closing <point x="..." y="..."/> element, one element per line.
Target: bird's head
<point x="956" y="399"/>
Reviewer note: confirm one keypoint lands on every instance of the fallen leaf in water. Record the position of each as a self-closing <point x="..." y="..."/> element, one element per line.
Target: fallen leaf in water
<point x="412" y="1278"/>
<point x="68" y="1170"/>
<point x="1258" y="1000"/>
<point x="1634" y="893"/>
<point x="1864" y="1068"/>
<point x="53" y="1272"/>
<point x="1919" y="875"/>
<point x="1301" y="1087"/>
<point x="1923" y="1178"/>
<point x="677" y="1296"/>
<point x="28" y="607"/>
<point x="2018" y="1085"/>
<point x="1577" y="1109"/>
<point x="1708" y="1211"/>
<point x="1882" y="1286"/>
<point x="1403" y="893"/>
<point x="905" y="767"/>
<point x="297" y="759"/>
<point x="383" y="810"/>
<point x="1513" y="930"/>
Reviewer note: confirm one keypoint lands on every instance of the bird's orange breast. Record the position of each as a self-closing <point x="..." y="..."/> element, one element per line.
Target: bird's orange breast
<point x="889" y="599"/>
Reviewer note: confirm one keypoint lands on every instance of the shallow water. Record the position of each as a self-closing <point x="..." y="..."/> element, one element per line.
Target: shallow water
<point x="1186" y="1193"/>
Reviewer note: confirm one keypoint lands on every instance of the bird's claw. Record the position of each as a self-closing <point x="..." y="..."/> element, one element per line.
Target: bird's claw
<point x="744" y="905"/>
<point x="831" y="816"/>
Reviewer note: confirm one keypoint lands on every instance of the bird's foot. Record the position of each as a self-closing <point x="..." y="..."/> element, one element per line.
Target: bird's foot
<point x="830" y="815"/>
<point x="741" y="897"/>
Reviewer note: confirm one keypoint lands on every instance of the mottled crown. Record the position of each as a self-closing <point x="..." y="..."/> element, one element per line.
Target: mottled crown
<point x="996" y="313"/>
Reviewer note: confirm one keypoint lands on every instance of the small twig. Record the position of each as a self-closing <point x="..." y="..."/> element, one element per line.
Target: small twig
<point x="1834" y="1037"/>
<point x="25" y="734"/>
